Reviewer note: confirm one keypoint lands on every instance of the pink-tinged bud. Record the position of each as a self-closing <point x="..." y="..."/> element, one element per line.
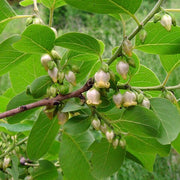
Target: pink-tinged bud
<point x="115" y="143"/>
<point x="70" y="77"/>
<point x="122" y="68"/>
<point x="53" y="74"/>
<point x="166" y="22"/>
<point x="55" y="31"/>
<point x="146" y="103"/>
<point x="62" y="117"/>
<point x="96" y="123"/>
<point x="103" y="128"/>
<point x="110" y="136"/>
<point x="45" y="59"/>
<point x="102" y="79"/>
<point x="93" y="97"/>
<point x="118" y="99"/>
<point x="127" y="47"/>
<point x="129" y="99"/>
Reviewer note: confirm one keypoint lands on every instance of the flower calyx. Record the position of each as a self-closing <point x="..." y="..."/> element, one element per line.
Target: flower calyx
<point x="102" y="79"/>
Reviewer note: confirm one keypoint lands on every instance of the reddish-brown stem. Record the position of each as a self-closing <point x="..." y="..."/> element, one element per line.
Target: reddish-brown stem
<point x="48" y="102"/>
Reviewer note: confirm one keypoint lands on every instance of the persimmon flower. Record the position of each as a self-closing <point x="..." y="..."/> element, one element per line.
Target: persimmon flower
<point x="122" y="68"/>
<point x="129" y="99"/>
<point x="62" y="117"/>
<point x="45" y="59"/>
<point x="93" y="97"/>
<point x="102" y="79"/>
<point x="70" y="77"/>
<point x="53" y="74"/>
<point x="96" y="123"/>
<point x="118" y="99"/>
<point x="110" y="136"/>
<point x="146" y="103"/>
<point x="166" y="21"/>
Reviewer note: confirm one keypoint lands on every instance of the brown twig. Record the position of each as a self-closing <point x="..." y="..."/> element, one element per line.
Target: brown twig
<point x="48" y="102"/>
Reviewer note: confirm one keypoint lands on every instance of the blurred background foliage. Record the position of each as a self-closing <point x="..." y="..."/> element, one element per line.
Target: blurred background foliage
<point x="109" y="30"/>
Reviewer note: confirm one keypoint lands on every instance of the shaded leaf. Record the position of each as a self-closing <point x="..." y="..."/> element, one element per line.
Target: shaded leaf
<point x="105" y="159"/>
<point x="53" y="3"/>
<point x="41" y="136"/>
<point x="176" y="144"/>
<point x="45" y="171"/>
<point x="169" y="117"/>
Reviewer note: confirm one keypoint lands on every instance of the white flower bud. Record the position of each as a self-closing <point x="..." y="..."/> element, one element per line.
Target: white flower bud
<point x="102" y="79"/>
<point x="103" y="128"/>
<point x="62" y="117"/>
<point x="45" y="59"/>
<point x="53" y="74"/>
<point x="122" y="68"/>
<point x="70" y="77"/>
<point x="146" y="103"/>
<point x="93" y="97"/>
<point x="96" y="123"/>
<point x="122" y="143"/>
<point x="118" y="99"/>
<point x="6" y="162"/>
<point x="55" y="31"/>
<point x="115" y="143"/>
<point x="129" y="99"/>
<point x="110" y="136"/>
<point x="166" y="22"/>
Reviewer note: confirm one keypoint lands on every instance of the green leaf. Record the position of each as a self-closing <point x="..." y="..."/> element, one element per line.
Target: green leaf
<point x="3" y="103"/>
<point x="77" y="124"/>
<point x="159" y="40"/>
<point x="73" y="156"/>
<point x="6" y="13"/>
<point x="36" y="39"/>
<point x="15" y="127"/>
<point x="176" y="144"/>
<point x="147" y="160"/>
<point x="145" y="77"/>
<point x="138" y="121"/>
<point x="10" y="57"/>
<point x="169" y="117"/>
<point x="17" y="101"/>
<point x="79" y="42"/>
<point x="105" y="159"/>
<point x="39" y="86"/>
<point x="106" y="6"/>
<point x="45" y="171"/>
<point x="28" y="2"/>
<point x="26" y="72"/>
<point x="170" y="62"/>
<point x="41" y="136"/>
<point x="146" y="145"/>
<point x="53" y="3"/>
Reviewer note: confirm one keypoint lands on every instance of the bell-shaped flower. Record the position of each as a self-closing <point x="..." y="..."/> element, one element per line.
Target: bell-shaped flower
<point x="45" y="59"/>
<point x="118" y="99"/>
<point x="103" y="128"/>
<point x="146" y="103"/>
<point x="110" y="136"/>
<point x="102" y="79"/>
<point x="96" y="123"/>
<point x="127" y="47"/>
<point x="166" y="21"/>
<point x="70" y="77"/>
<point x="62" y="117"/>
<point x="122" y="68"/>
<point x="129" y="99"/>
<point x="115" y="143"/>
<point x="93" y="97"/>
<point x="53" y="74"/>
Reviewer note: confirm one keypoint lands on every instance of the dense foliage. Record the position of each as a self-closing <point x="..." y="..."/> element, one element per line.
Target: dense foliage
<point x="84" y="112"/>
